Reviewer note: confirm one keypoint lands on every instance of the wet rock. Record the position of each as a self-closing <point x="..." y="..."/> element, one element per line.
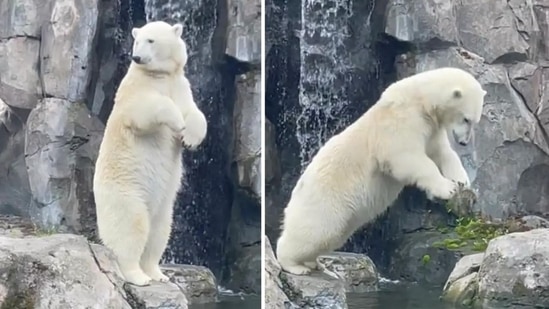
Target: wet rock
<point x="357" y="270"/>
<point x="247" y="116"/>
<point x="512" y="272"/>
<point x="244" y="275"/>
<point x="197" y="282"/>
<point x="462" y="285"/>
<point x="62" y="141"/>
<point x="156" y="295"/>
<point x="464" y="267"/>
<point x="274" y="295"/>
<point x="272" y="164"/>
<point x="244" y="37"/>
<point x="67" y="48"/>
<point x="317" y="290"/>
<point x="15" y="193"/>
<point x="462" y="291"/>
<point x="416" y="259"/>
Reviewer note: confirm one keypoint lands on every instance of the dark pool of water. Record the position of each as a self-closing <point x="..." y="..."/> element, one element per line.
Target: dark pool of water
<point x="399" y="296"/>
<point x="233" y="302"/>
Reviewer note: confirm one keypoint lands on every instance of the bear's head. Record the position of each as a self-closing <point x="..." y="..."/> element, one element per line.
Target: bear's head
<point x="159" y="48"/>
<point x="465" y="107"/>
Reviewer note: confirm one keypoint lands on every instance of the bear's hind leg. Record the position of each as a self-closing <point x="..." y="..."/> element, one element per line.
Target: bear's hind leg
<point x="157" y="243"/>
<point x="126" y="234"/>
<point x="296" y="258"/>
<point x="314" y="265"/>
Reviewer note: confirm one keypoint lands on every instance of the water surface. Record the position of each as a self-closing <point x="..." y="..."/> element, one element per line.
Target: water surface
<point x="399" y="296"/>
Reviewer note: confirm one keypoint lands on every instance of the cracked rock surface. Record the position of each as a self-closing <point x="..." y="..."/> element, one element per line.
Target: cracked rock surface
<point x="65" y="271"/>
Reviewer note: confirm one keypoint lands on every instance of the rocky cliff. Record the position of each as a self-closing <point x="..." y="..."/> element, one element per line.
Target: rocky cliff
<point x="60" y="64"/>
<point x="327" y="63"/>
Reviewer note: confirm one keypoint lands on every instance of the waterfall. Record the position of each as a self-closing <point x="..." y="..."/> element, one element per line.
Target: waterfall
<point x="325" y="91"/>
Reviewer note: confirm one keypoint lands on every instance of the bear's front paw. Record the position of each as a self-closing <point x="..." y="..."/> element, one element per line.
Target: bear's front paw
<point x="193" y="136"/>
<point x="190" y="140"/>
<point x="443" y="191"/>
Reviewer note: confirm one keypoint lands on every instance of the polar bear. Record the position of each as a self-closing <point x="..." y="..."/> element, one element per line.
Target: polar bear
<point x="358" y="173"/>
<point x="139" y="168"/>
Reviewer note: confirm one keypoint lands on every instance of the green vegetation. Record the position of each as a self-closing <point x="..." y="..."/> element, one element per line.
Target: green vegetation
<point x="39" y="231"/>
<point x="471" y="232"/>
<point x="426" y="259"/>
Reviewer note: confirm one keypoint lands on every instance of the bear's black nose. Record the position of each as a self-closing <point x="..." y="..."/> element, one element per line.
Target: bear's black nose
<point x="463" y="143"/>
<point x="136" y="59"/>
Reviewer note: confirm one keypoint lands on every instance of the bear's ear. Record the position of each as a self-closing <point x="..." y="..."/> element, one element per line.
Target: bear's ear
<point x="457" y="93"/>
<point x="178" y="29"/>
<point x="134" y="32"/>
<point x="484" y="92"/>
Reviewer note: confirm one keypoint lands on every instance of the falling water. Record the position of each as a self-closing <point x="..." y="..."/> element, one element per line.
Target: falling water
<point x="326" y="72"/>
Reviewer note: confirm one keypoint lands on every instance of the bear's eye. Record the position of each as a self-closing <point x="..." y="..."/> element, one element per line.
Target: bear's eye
<point x="467" y="121"/>
<point x="150" y="41"/>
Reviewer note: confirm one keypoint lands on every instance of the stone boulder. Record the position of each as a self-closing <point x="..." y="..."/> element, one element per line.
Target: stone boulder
<point x="61" y="145"/>
<point x="512" y="272"/>
<point x="65" y="271"/>
<point x="342" y="273"/>
<point x="274" y="295"/>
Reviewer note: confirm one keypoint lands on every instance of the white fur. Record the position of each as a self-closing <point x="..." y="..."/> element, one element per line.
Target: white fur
<point x="139" y="169"/>
<point x="401" y="140"/>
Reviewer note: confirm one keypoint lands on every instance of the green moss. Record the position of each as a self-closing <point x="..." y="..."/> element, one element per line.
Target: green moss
<point x="471" y="232"/>
<point x="426" y="259"/>
<point x="40" y="231"/>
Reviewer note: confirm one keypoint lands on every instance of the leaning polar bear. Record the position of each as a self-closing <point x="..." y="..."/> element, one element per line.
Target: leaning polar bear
<point x="401" y="140"/>
<point x="139" y="168"/>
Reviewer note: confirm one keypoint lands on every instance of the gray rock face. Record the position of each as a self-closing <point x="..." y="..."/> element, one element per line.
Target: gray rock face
<point x="274" y="295"/>
<point x="244" y="37"/>
<point x="247" y="117"/>
<point x="65" y="271"/>
<point x="317" y="290"/>
<point x="357" y="270"/>
<point x="61" y="147"/>
<point x="197" y="282"/>
<point x="57" y="271"/>
<point x="19" y="83"/>
<point x="342" y="273"/>
<point x="67" y="47"/>
<point x="512" y="272"/>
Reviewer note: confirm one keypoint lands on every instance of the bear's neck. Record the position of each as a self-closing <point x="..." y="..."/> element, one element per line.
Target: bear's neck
<point x="157" y="74"/>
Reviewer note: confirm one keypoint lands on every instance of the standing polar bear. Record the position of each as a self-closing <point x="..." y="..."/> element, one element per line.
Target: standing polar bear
<point x="401" y="140"/>
<point x="139" y="169"/>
